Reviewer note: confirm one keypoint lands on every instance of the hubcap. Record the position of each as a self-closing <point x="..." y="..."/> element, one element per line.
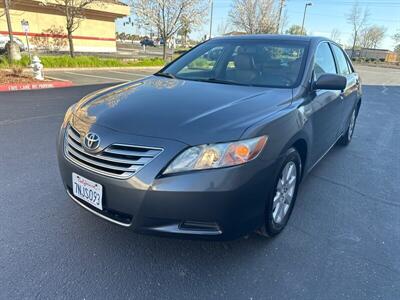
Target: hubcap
<point x="351" y="126"/>
<point x="284" y="192"/>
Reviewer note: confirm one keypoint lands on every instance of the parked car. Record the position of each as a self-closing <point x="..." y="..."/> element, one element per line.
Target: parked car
<point x="158" y="42"/>
<point x="5" y="39"/>
<point x="215" y="144"/>
<point x="147" y="42"/>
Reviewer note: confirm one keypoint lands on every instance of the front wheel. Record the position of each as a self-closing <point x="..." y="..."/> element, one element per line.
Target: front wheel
<point x="279" y="204"/>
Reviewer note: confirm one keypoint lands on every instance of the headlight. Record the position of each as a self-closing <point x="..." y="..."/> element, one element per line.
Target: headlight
<point x="217" y="155"/>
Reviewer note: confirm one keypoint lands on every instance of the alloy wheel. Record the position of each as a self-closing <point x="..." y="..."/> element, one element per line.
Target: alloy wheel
<point x="285" y="190"/>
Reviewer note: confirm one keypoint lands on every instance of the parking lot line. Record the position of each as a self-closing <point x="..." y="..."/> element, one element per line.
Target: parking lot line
<point x="96" y="76"/>
<point x="129" y="73"/>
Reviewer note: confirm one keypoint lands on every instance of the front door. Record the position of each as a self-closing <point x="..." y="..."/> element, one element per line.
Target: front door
<point x="326" y="105"/>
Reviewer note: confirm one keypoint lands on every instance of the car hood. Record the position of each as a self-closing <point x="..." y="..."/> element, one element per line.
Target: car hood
<point x="192" y="112"/>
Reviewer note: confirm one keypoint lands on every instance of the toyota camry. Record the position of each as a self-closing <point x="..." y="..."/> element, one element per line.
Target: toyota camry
<point x="216" y="143"/>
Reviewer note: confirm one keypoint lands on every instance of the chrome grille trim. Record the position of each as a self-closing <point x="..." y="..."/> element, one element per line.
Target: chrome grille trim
<point x="117" y="160"/>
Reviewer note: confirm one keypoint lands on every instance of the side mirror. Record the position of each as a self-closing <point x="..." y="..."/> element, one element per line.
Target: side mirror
<point x="330" y="82"/>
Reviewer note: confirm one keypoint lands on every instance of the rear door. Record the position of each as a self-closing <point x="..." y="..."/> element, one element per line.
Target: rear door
<point x="350" y="94"/>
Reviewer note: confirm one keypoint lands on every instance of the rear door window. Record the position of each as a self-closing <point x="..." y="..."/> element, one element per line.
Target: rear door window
<point x="324" y="61"/>
<point x="341" y="61"/>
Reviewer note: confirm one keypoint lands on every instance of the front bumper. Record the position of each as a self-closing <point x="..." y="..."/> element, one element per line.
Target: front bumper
<point x="214" y="204"/>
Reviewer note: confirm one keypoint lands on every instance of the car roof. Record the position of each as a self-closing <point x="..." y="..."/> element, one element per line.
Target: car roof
<point x="276" y="37"/>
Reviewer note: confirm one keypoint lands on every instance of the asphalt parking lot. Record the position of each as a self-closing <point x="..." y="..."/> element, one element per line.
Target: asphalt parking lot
<point x="342" y="241"/>
<point x="102" y="76"/>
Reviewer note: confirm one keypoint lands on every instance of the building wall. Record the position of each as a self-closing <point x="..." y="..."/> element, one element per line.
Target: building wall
<point x="377" y="54"/>
<point x="96" y="32"/>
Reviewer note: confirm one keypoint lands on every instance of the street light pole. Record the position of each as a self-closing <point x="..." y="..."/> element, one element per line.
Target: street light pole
<point x="281" y="5"/>
<point x="304" y="16"/>
<point x="211" y="18"/>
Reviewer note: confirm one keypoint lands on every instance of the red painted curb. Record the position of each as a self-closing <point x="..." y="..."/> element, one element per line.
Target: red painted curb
<point x="34" y="85"/>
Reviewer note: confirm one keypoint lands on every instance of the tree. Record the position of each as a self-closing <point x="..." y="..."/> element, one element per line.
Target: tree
<point x="357" y="18"/>
<point x="223" y="27"/>
<point x="371" y="37"/>
<point x="185" y="31"/>
<point x="397" y="51"/>
<point x="335" y="35"/>
<point x="396" y="37"/>
<point x="74" y="12"/>
<point x="255" y="16"/>
<point x="296" y="30"/>
<point x="167" y="15"/>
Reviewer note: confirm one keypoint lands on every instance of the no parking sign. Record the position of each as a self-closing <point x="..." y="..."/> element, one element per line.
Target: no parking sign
<point x="25" y="26"/>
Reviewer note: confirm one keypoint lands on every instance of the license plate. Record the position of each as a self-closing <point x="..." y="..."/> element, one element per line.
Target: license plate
<point x="87" y="190"/>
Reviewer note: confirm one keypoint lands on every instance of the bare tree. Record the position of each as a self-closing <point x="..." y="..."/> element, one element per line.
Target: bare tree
<point x="255" y="16"/>
<point x="74" y="12"/>
<point x="371" y="37"/>
<point x="396" y="37"/>
<point x="335" y="35"/>
<point x="185" y="30"/>
<point x="357" y="18"/>
<point x="296" y="30"/>
<point x="167" y="15"/>
<point x="223" y="27"/>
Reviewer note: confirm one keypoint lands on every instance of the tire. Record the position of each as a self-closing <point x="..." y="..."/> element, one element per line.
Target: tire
<point x="274" y="222"/>
<point x="347" y="136"/>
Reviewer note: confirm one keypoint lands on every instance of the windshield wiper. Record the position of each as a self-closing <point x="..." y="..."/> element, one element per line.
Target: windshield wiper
<point x="215" y="80"/>
<point x="165" y="74"/>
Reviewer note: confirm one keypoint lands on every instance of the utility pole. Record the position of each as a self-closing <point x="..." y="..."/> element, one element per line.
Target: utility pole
<point x="211" y="17"/>
<point x="281" y="5"/>
<point x="304" y="16"/>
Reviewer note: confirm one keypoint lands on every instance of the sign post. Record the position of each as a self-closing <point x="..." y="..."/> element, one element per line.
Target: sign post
<point x="25" y="29"/>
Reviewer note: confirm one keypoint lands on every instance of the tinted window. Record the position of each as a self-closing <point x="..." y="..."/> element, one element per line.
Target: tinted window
<point x="341" y="61"/>
<point x="324" y="62"/>
<point x="244" y="62"/>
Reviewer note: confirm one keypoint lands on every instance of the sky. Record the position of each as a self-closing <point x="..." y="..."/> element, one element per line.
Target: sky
<point x="322" y="17"/>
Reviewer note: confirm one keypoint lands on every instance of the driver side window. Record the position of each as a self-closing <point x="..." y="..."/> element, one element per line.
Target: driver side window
<point x="324" y="62"/>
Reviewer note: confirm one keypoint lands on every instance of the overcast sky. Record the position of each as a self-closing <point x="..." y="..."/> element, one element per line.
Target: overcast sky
<point x="322" y="17"/>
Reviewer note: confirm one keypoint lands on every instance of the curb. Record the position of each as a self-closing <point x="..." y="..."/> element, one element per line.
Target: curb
<point x="12" y="87"/>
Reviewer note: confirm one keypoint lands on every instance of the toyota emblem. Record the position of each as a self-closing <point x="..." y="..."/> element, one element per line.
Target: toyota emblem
<point x="91" y="141"/>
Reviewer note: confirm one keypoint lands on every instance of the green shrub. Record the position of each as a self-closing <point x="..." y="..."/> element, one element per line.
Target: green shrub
<point x="65" y="61"/>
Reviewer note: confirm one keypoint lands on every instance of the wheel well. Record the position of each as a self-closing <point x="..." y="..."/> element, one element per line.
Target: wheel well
<point x="301" y="147"/>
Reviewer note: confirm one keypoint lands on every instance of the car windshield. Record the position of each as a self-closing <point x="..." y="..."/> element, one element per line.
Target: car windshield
<point x="268" y="63"/>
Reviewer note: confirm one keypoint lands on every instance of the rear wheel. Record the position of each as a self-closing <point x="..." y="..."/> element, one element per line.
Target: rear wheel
<point x="279" y="204"/>
<point x="345" y="139"/>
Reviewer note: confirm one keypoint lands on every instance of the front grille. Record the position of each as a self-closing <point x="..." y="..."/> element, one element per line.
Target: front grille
<point x="117" y="160"/>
